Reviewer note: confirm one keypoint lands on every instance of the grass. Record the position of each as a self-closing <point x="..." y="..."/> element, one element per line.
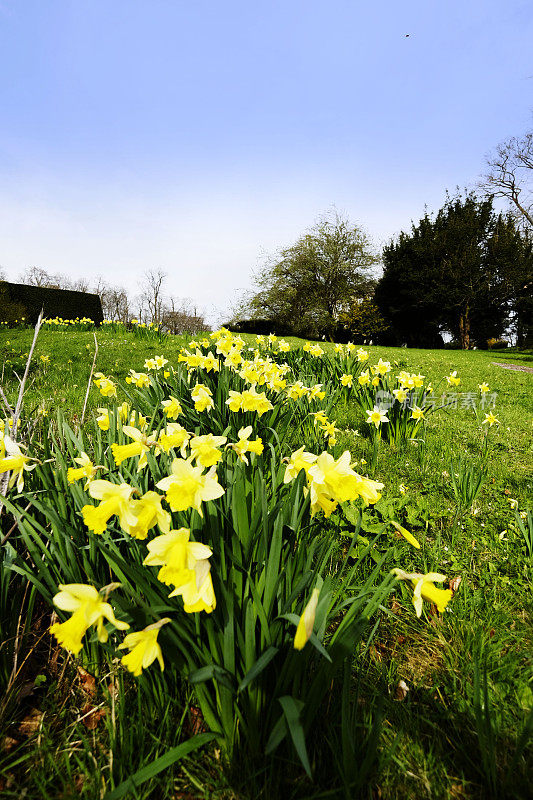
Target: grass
<point x="462" y="730"/>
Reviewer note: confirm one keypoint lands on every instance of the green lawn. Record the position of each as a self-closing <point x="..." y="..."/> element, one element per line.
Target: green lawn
<point x="462" y="730"/>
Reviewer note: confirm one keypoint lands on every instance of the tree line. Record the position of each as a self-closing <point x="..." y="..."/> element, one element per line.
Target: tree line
<point x="465" y="271"/>
<point x="151" y="303"/>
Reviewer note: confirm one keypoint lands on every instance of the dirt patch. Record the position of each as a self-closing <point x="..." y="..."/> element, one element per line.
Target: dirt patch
<point x="515" y="367"/>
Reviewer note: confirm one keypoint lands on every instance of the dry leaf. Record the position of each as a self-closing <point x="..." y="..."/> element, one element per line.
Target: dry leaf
<point x="91" y="716"/>
<point x="454" y="583"/>
<point x="401" y="691"/>
<point x="8" y="743"/>
<point x="31" y="722"/>
<point x="196" y="720"/>
<point x="396" y="606"/>
<point x="87" y="682"/>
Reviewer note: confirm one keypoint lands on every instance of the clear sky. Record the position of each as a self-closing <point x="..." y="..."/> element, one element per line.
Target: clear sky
<point x="197" y="136"/>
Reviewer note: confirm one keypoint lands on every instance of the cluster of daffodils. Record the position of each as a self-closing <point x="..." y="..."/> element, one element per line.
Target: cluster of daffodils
<point x="59" y="322"/>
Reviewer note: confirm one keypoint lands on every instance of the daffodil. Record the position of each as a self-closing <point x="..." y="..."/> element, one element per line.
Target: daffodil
<point x="197" y="593"/>
<point x="334" y="481"/>
<point x="299" y="460"/>
<point x="115" y="501"/>
<point x="86" y="469"/>
<point x="483" y="387"/>
<point x="188" y="487"/>
<point x="139" y="447"/>
<point x="204" y="449"/>
<point x="347" y="380"/>
<point x="14" y="461"/>
<point x="139" y="379"/>
<point x="105" y="385"/>
<point x="202" y="397"/>
<point x="452" y="379"/>
<point x="244" y="445"/>
<point x="364" y="378"/>
<point x="88" y="607"/>
<point x="376" y="416"/>
<point x="405" y="533"/>
<point x="362" y="355"/>
<point x="417" y="413"/>
<point x="103" y="420"/>
<point x="173" y="436"/>
<point x="424" y="589"/>
<point x="490" y="420"/>
<point x="306" y="622"/>
<point x="148" y="512"/>
<point x="400" y="394"/>
<point x="176" y="555"/>
<point x="254" y="401"/>
<point x="144" y="648"/>
<point x="172" y="408"/>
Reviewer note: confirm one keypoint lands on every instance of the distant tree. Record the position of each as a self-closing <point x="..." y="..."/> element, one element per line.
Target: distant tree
<point x="360" y="319"/>
<point x="182" y="316"/>
<point x="510" y="175"/>
<point x="308" y="285"/>
<point x="36" y="276"/>
<point x="152" y="292"/>
<point x="115" y="301"/>
<point x="456" y="271"/>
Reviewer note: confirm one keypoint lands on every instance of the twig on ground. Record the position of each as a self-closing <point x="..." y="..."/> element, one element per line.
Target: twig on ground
<point x="90" y="378"/>
<point x="4" y="477"/>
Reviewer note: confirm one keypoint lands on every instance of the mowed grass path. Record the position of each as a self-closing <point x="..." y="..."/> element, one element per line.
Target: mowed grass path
<point x="444" y="739"/>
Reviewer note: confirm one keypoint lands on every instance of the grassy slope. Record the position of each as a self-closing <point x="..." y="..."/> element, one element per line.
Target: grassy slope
<point x="435" y="733"/>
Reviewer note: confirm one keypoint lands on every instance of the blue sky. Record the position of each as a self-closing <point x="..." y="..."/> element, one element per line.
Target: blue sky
<point x="198" y="136"/>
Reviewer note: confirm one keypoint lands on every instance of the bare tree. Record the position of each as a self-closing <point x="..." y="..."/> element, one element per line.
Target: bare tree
<point x="182" y="316"/>
<point x="115" y="301"/>
<point x="510" y="176"/>
<point x="152" y="293"/>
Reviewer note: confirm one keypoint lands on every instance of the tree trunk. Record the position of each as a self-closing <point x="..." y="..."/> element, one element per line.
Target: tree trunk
<point x="464" y="329"/>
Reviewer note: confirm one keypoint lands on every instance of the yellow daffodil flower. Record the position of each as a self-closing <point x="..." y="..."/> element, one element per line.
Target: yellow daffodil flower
<point x="88" y="607"/>
<point x="244" y="445"/>
<point x="187" y="487"/>
<point x="14" y="461"/>
<point x="417" y="413"/>
<point x="140" y="379"/>
<point x="299" y="460"/>
<point x="103" y="419"/>
<point x="490" y="420"/>
<point x="364" y="378"/>
<point x="198" y="593"/>
<point x="347" y="380"/>
<point x="85" y="470"/>
<point x="202" y="397"/>
<point x="139" y="447"/>
<point x="115" y="501"/>
<point x="174" y="436"/>
<point x="172" y="408"/>
<point x="144" y="648"/>
<point x="400" y="395"/>
<point x="148" y="512"/>
<point x="483" y="387"/>
<point x="176" y="555"/>
<point x="362" y="355"/>
<point x="452" y="379"/>
<point x="424" y="589"/>
<point x="376" y="416"/>
<point x="307" y="621"/>
<point x="204" y="449"/>
<point x="105" y="385"/>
